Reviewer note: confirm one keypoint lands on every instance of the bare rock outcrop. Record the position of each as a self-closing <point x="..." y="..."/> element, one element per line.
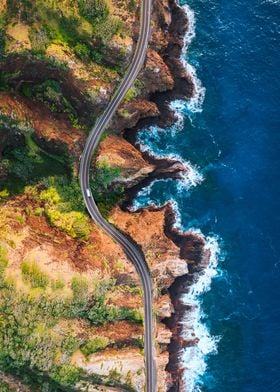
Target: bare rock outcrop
<point x="156" y="75"/>
<point x="117" y="152"/>
<point x="131" y="112"/>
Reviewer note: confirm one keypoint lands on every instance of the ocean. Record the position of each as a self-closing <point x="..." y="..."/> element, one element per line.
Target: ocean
<point x="228" y="135"/>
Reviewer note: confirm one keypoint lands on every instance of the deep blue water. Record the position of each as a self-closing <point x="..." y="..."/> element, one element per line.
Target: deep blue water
<point x="235" y="142"/>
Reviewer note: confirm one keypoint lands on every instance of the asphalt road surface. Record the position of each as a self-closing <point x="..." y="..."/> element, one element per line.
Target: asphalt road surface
<point x="131" y="250"/>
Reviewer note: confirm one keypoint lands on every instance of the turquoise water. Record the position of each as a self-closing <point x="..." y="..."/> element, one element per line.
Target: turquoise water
<point x="231" y="140"/>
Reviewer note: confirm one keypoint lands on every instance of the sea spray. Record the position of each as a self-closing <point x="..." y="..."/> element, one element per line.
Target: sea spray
<point x="189" y="178"/>
<point x="194" y="104"/>
<point x="193" y="328"/>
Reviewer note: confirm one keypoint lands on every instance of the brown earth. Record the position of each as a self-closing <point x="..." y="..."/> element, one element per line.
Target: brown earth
<point x="52" y="132"/>
<point x="99" y="253"/>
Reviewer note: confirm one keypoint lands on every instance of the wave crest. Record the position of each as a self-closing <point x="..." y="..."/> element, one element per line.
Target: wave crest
<point x="195" y="103"/>
<point x="194" y="357"/>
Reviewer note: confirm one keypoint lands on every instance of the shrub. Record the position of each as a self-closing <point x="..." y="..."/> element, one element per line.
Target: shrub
<point x="3" y="258"/>
<point x="131" y="315"/>
<point x="139" y="341"/>
<point x="96" y="56"/>
<point x="39" y="40"/>
<point x="38" y="211"/>
<point x="5" y="387"/>
<point x="106" y="29"/>
<point x="80" y="287"/>
<point x="14" y="126"/>
<point x="62" y="198"/>
<point x="67" y="374"/>
<point x="70" y="344"/>
<point x="134" y="91"/>
<point x="82" y="51"/>
<point x="32" y="274"/>
<point x="94" y="345"/>
<point x="100" y="313"/>
<point x="94" y="9"/>
<point x="57" y="284"/>
<point x="74" y="223"/>
<point x="4" y="194"/>
<point x="106" y="192"/>
<point x="21" y="165"/>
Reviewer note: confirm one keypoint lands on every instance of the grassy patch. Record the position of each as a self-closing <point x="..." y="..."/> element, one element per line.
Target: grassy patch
<point x="3" y="258"/>
<point x="57" y="284"/>
<point x="94" y="345"/>
<point x="33" y="275"/>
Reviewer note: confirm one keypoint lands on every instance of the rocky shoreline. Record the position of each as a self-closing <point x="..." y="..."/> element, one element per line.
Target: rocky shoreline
<point x="192" y="246"/>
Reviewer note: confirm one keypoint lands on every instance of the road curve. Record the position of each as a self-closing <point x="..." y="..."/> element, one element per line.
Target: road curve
<point x="133" y="252"/>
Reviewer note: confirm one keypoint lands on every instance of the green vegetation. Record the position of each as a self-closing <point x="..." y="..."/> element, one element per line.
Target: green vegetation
<point x="4" y="387"/>
<point x="32" y="274"/>
<point x="82" y="51"/>
<point x="57" y="284"/>
<point x="3" y="24"/>
<point x="61" y="197"/>
<point x="37" y="312"/>
<point x="64" y="207"/>
<point x="3" y="259"/>
<point x="134" y="91"/>
<point x="26" y="336"/>
<point x="27" y="163"/>
<point x="39" y="40"/>
<point x="86" y="26"/>
<point x="100" y="313"/>
<point x="94" y="345"/>
<point x="94" y="9"/>
<point x="51" y="95"/>
<point x="25" y="166"/>
<point x="30" y="338"/>
<point x="4" y="194"/>
<point x="106" y="192"/>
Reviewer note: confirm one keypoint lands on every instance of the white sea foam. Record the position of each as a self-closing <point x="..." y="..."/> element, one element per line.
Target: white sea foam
<point x="188" y="179"/>
<point x="191" y="176"/>
<point x="194" y="357"/>
<point x="273" y="1"/>
<point x="195" y="103"/>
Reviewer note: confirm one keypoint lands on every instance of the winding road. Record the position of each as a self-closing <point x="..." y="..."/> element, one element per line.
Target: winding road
<point x="131" y="250"/>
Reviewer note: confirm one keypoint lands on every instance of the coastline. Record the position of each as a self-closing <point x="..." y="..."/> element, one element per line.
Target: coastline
<point x="184" y="255"/>
<point x="193" y="246"/>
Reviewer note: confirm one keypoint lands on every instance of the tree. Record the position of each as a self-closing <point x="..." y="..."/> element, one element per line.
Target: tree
<point x="94" y="9"/>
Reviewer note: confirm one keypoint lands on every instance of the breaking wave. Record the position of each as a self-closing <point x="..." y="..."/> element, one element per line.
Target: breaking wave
<point x="194" y="328"/>
<point x="194" y="105"/>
